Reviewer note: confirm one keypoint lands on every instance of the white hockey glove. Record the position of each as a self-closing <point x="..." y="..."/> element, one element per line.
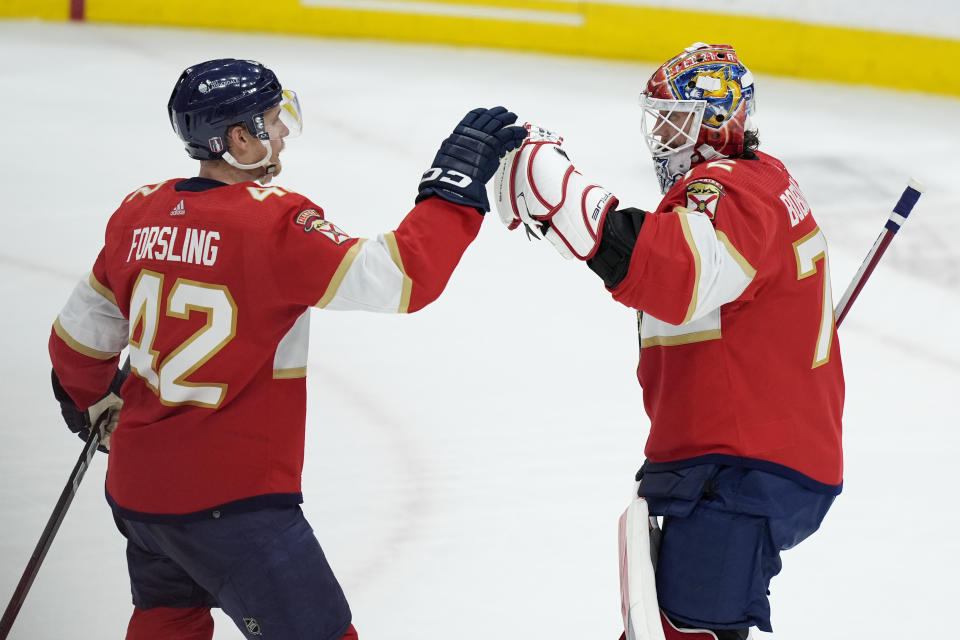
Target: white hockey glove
<point x="104" y="416"/>
<point x="538" y="186"/>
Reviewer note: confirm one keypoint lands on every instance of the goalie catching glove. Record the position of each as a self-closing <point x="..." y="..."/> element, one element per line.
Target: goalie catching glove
<point x="538" y="186"/>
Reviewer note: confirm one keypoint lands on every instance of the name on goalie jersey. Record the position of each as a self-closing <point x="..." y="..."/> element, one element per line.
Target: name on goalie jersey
<point x="796" y="205"/>
<point x="175" y="244"/>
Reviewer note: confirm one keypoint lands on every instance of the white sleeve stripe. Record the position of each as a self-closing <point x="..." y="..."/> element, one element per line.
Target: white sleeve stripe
<point x="722" y="272"/>
<point x="78" y="347"/>
<point x="374" y="281"/>
<point x="101" y="289"/>
<point x="407" y="286"/>
<point x="93" y="322"/>
<point x="748" y="269"/>
<point x="339" y="274"/>
<point x="290" y="358"/>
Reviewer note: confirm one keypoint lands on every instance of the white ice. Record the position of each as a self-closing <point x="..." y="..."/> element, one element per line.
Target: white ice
<point x="466" y="465"/>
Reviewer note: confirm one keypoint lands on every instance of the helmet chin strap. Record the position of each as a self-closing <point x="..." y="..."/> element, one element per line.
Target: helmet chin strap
<point x="266" y="162"/>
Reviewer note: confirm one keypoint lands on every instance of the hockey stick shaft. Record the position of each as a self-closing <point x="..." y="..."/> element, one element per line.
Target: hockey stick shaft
<point x="46" y="539"/>
<point x="897" y="217"/>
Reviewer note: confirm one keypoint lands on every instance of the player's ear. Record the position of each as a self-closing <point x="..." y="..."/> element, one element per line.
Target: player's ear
<point x="237" y="138"/>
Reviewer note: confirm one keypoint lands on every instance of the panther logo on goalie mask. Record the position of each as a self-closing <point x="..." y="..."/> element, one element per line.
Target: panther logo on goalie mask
<point x="715" y="84"/>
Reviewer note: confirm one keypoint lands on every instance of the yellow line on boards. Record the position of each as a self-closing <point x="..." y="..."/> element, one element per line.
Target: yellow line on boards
<point x="588" y="28"/>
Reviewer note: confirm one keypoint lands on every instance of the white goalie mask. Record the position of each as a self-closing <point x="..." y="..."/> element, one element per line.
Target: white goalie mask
<point x="670" y="129"/>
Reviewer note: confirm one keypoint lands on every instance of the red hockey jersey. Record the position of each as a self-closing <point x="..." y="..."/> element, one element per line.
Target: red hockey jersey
<point x="739" y="353"/>
<point x="210" y="286"/>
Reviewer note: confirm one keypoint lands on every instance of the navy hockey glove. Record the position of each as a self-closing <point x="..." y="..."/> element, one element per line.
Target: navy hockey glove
<point x="468" y="158"/>
<point x="80" y="422"/>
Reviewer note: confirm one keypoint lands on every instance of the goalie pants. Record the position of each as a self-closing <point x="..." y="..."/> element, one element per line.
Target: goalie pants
<point x="723" y="530"/>
<point x="264" y="568"/>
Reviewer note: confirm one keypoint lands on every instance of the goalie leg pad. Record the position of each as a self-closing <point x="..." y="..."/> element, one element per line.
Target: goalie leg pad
<point x="638" y="594"/>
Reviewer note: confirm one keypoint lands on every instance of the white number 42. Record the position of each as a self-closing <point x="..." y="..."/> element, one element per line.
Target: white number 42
<point x="168" y="378"/>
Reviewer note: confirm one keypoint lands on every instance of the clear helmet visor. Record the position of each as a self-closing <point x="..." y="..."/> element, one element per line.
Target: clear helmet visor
<point x="283" y="120"/>
<point x="275" y="124"/>
<point x="289" y="119"/>
<point x="670" y="126"/>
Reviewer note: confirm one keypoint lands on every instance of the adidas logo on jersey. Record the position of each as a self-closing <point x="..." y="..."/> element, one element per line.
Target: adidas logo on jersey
<point x="178" y="210"/>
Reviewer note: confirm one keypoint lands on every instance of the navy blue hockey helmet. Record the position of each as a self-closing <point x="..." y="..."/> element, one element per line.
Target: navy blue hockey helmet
<point x="211" y="96"/>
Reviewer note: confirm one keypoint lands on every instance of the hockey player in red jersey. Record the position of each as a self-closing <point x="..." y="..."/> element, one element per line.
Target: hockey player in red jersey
<point x="208" y="282"/>
<point x="740" y="365"/>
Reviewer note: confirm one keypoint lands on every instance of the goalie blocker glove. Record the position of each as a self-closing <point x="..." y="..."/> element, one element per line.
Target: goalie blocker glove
<point x="79" y="422"/>
<point x="468" y="158"/>
<point x="538" y="186"/>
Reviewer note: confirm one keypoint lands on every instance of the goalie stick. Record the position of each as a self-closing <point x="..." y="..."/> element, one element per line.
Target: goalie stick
<point x="897" y="217"/>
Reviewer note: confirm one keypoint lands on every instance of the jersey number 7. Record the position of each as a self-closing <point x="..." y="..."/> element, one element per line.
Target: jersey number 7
<point x="809" y="250"/>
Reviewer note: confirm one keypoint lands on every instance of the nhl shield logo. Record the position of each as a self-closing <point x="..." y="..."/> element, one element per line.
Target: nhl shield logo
<point x="253" y="627"/>
<point x="703" y="195"/>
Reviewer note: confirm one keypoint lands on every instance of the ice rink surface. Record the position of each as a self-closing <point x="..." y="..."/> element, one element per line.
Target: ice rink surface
<point x="466" y="465"/>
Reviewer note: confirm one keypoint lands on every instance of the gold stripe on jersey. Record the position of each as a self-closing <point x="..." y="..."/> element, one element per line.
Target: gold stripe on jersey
<point x="146" y="191"/>
<point x="685" y="338"/>
<point x="78" y="347"/>
<point x="289" y="374"/>
<point x="736" y="255"/>
<point x="391" y="240"/>
<point x="102" y="290"/>
<point x="339" y="274"/>
<point x="688" y="236"/>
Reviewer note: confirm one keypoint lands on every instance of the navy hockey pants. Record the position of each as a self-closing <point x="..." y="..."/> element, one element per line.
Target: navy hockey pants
<point x="723" y="530"/>
<point x="264" y="568"/>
